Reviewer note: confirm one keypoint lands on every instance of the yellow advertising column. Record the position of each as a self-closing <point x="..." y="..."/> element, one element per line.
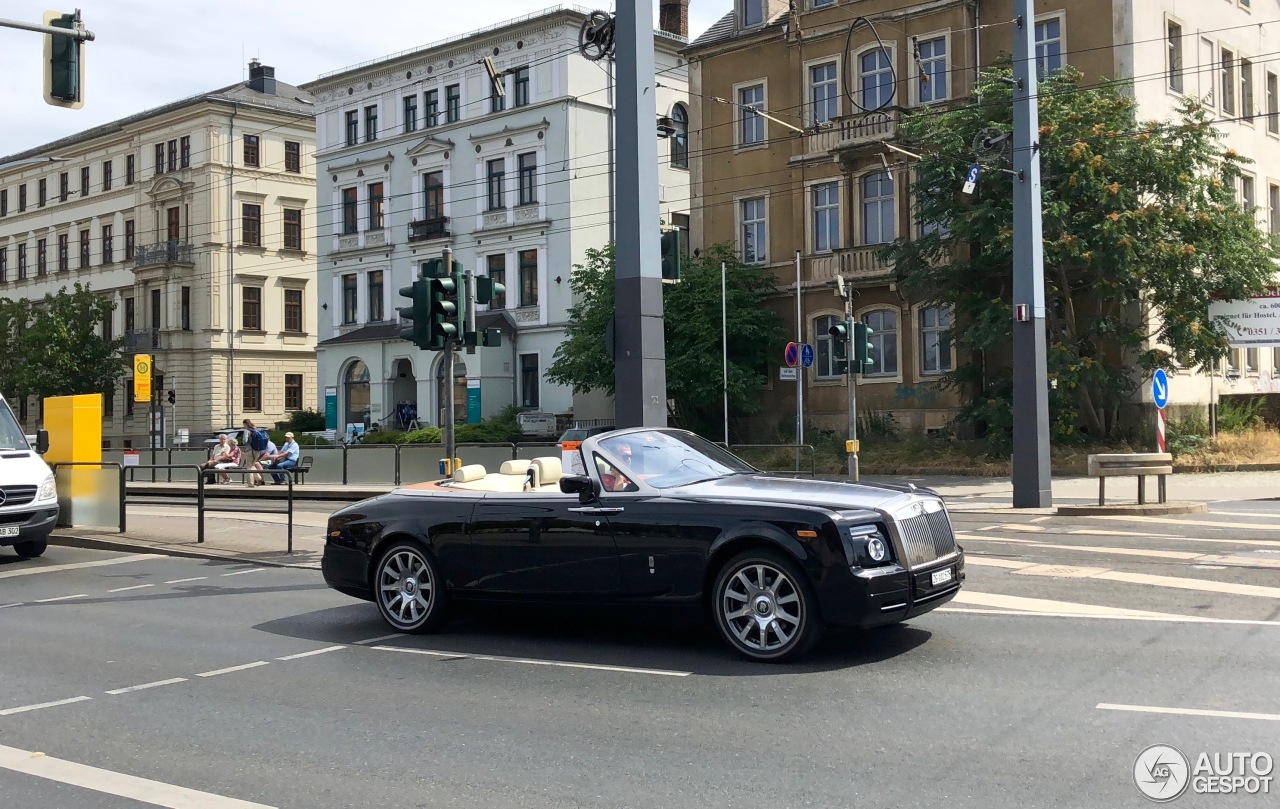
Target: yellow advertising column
<point x="75" y="436"/>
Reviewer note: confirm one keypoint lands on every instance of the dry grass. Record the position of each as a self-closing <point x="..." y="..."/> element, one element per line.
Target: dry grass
<point x="1256" y="446"/>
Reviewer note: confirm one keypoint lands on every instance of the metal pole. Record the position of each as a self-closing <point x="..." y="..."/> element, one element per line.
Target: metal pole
<point x="199" y="506"/>
<point x="854" y="472"/>
<point x="447" y="428"/>
<point x="78" y="33"/>
<point x="1032" y="482"/>
<point x="288" y="475"/>
<point x="724" y="341"/>
<point x="799" y="369"/>
<point x="640" y="370"/>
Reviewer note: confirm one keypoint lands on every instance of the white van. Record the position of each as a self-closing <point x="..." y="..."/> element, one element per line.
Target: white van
<point x="28" y="496"/>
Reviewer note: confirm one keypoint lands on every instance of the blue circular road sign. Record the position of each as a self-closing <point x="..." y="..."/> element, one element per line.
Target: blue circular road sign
<point x="1160" y="388"/>
<point x="806" y="355"/>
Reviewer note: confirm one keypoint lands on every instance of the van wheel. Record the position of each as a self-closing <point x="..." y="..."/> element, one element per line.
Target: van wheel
<point x="31" y="549"/>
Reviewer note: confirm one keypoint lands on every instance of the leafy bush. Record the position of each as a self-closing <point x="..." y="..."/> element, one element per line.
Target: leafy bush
<point x="306" y="421"/>
<point x="426" y="435"/>
<point x="877" y="424"/>
<point x="1237" y="414"/>
<point x="1187" y="435"/>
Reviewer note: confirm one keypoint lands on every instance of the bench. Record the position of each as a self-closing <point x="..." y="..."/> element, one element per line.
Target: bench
<point x="1139" y="464"/>
<point x="304" y="466"/>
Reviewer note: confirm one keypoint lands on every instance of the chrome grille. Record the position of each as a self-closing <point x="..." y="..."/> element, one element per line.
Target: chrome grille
<point x="17" y="495"/>
<point x="926" y="536"/>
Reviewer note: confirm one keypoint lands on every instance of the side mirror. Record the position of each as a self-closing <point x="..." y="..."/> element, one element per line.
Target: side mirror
<point x="42" y="441"/>
<point x="582" y="485"/>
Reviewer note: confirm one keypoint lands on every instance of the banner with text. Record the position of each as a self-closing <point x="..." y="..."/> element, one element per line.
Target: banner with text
<point x="1253" y="323"/>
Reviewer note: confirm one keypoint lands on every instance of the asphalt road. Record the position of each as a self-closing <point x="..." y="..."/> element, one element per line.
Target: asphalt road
<point x="148" y="680"/>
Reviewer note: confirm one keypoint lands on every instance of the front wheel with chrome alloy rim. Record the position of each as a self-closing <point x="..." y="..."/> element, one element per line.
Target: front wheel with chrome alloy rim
<point x="764" y="607"/>
<point x="409" y="589"/>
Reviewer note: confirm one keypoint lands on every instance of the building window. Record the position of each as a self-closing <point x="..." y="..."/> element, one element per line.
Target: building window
<point x="497" y="266"/>
<point x="106" y="175"/>
<point x="130" y="315"/>
<point x="185" y="314"/>
<point x="84" y="181"/>
<point x="171" y="160"/>
<point x="4" y="264"/>
<point x="42" y="256"/>
<point x="497" y="103"/>
<point x="1246" y="90"/>
<point x="520" y="87"/>
<point x="252" y="393"/>
<point x="935" y="340"/>
<point x="877" y="208"/>
<point x="293" y="310"/>
<point x="875" y="77"/>
<point x="751" y="99"/>
<point x="680" y="137"/>
<point x="433" y="195"/>
<point x="353" y="128"/>
<point x="107" y="328"/>
<point x="350" y="210"/>
<point x="370" y="123"/>
<point x="376" y="206"/>
<point x="251" y="308"/>
<point x="128" y="400"/>
<point x="159" y="158"/>
<point x="374" y="281"/>
<point x="22" y="198"/>
<point x="251" y="225"/>
<point x="528" y="261"/>
<point x="884" y="342"/>
<point x="754" y="235"/>
<point x="1248" y="196"/>
<point x="292" y="392"/>
<point x="252" y="150"/>
<point x="130" y="169"/>
<point x="824" y="98"/>
<point x="932" y="55"/>
<point x="42" y="192"/>
<point x="411" y="113"/>
<point x="64" y="187"/>
<point x="64" y="252"/>
<point x="822" y="3"/>
<point x="527" y="164"/>
<point x="453" y="103"/>
<point x="496" y="172"/>
<point x="752" y="13"/>
<point x="155" y="320"/>
<point x="128" y="240"/>
<point x="825" y="361"/>
<point x="1048" y="46"/>
<point x="22" y="260"/>
<point x="349" y="300"/>
<point x="1174" y="56"/>
<point x="431" y="110"/>
<point x="184" y="149"/>
<point x="293" y="156"/>
<point x="84" y="249"/>
<point x="1227" y="76"/>
<point x="1273" y="212"/>
<point x="529" y="380"/>
<point x="292" y="229"/>
<point x="1273" y="103"/>
<point x="1251" y="360"/>
<point x="826" y="217"/>
<point x="4" y="202"/>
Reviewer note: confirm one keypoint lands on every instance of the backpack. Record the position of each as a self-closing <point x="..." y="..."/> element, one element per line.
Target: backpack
<point x="258" y="439"/>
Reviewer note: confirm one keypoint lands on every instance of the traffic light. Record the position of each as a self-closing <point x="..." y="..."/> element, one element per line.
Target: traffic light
<point x="840" y="347"/>
<point x="487" y="289"/>
<point x="63" y="63"/>
<point x="416" y="317"/>
<point x="172" y="397"/>
<point x="671" y="255"/>
<point x="862" y="347"/>
<point x="445" y="314"/>
<point x="491" y="338"/>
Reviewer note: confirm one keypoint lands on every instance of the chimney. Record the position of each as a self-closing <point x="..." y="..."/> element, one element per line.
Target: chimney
<point x="673" y="17"/>
<point x="262" y="78"/>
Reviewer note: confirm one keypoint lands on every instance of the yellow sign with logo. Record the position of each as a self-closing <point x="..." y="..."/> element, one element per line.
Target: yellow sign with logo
<point x="142" y="377"/>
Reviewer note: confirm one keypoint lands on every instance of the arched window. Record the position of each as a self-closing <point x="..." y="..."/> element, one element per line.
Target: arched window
<point x="680" y="138"/>
<point x="355" y="385"/>
<point x="825" y="362"/>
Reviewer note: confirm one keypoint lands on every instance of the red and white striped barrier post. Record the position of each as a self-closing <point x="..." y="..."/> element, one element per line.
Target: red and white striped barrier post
<point x="1160" y="442"/>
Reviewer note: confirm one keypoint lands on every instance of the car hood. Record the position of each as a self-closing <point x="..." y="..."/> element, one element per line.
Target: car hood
<point x="833" y="494"/>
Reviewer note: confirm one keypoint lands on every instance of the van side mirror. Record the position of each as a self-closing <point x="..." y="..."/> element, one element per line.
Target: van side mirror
<point x="42" y="441"/>
<point x="582" y="485"/>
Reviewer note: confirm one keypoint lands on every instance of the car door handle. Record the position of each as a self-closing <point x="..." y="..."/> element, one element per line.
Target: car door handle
<point x="597" y="510"/>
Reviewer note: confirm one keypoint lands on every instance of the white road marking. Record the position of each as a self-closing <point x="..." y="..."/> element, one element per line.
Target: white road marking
<point x="1268" y="717"/>
<point x="1048" y="605"/>
<point x="31" y="571"/>
<point x="1261" y="542"/>
<point x="147" y="685"/>
<point x="312" y="652"/>
<point x="991" y="561"/>
<point x="989" y="538"/>
<point x="216" y="672"/>
<point x="1169" y="619"/>
<point x="60" y="598"/>
<point x="1203" y="585"/>
<point x="535" y="662"/>
<point x="183" y="581"/>
<point x="113" y="783"/>
<point x="1198" y="523"/>
<point x="134" y="587"/>
<point x="379" y="639"/>
<point x="14" y="604"/>
<point x="242" y="572"/>
<point x="1040" y="519"/>
<point x="54" y="704"/>
<point x="1154" y="554"/>
<point x="1061" y="571"/>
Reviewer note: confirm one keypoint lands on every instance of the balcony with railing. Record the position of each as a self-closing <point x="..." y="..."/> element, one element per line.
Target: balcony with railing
<point x="854" y="263"/>
<point x="139" y="340"/>
<point x="853" y="132"/>
<point x="171" y="252"/>
<point x="427" y="229"/>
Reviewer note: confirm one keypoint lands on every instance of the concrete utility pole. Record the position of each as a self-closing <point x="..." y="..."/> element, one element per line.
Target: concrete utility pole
<point x="1032" y="482"/>
<point x="640" y="369"/>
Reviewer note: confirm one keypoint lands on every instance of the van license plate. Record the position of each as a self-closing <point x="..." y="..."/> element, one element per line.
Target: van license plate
<point x="941" y="576"/>
<point x="8" y="531"/>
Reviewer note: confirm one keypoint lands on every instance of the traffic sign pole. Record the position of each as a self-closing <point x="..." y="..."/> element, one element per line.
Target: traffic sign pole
<point x="1160" y="396"/>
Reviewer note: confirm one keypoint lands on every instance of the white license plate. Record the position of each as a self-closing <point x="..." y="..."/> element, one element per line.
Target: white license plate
<point x="941" y="577"/>
<point x="8" y="531"/>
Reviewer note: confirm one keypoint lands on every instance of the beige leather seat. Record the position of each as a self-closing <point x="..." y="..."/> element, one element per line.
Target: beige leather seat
<point x="469" y="473"/>
<point x="547" y="471"/>
<point x="516" y="467"/>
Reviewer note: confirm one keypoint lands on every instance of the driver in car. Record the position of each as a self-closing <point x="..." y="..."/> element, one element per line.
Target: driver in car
<point x="612" y="479"/>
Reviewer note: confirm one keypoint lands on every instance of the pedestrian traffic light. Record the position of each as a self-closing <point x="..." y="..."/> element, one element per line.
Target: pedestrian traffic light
<point x="416" y="317"/>
<point x="172" y="397"/>
<point x="671" y="251"/>
<point x="862" y="347"/>
<point x="63" y="62"/>
<point x="445" y="313"/>
<point x="840" y="347"/>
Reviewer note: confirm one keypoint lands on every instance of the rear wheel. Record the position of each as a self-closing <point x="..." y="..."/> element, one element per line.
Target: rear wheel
<point x="32" y="548"/>
<point x="764" y="607"/>
<point x="409" y="589"/>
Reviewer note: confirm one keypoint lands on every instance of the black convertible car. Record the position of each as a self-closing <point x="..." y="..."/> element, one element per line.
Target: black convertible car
<point x="662" y="516"/>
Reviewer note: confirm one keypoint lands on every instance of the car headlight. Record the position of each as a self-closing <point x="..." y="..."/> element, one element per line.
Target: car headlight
<point x="868" y="546"/>
<point x="877" y="549"/>
<point x="48" y="489"/>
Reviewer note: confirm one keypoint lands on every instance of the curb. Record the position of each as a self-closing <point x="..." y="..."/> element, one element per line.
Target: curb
<point x="1146" y="509"/>
<point x="125" y="546"/>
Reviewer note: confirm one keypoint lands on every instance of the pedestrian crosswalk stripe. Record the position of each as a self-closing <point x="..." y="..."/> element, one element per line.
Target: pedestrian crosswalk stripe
<point x="1197" y="523"/>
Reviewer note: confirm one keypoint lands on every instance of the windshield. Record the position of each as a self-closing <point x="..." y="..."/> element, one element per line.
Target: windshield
<point x="664" y="459"/>
<point x="11" y="436"/>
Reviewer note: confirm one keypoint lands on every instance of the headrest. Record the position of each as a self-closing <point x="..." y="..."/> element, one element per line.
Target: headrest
<point x="518" y="467"/>
<point x="468" y="473"/>
<point x="549" y="470"/>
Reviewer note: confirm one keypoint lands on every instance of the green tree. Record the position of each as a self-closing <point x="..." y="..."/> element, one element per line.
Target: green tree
<point x="693" y="335"/>
<point x="54" y="347"/>
<point x="1142" y="229"/>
